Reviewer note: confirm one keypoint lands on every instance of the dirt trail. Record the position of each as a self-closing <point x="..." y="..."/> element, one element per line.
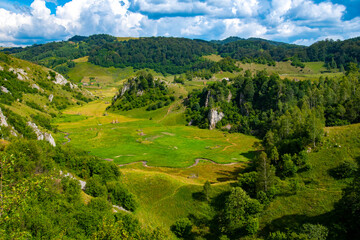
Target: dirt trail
<point x="232" y="145"/>
<point x="67" y="138"/>
<point x="197" y="161"/>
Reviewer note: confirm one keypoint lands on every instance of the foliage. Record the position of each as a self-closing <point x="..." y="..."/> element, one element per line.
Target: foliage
<point x="142" y="91"/>
<point x="182" y="228"/>
<point x="240" y="213"/>
<point x="121" y="196"/>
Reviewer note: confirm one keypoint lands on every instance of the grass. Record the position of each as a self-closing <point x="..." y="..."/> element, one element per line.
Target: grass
<point x="162" y="206"/>
<point x="84" y="70"/>
<point x="319" y="191"/>
<point x="161" y="141"/>
<point x="213" y="57"/>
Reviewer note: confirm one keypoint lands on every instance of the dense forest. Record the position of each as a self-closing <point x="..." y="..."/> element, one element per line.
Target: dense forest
<point x="178" y="55"/>
<point x="289" y="115"/>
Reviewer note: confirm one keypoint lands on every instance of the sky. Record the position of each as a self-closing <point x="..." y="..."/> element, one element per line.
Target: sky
<point x="26" y="22"/>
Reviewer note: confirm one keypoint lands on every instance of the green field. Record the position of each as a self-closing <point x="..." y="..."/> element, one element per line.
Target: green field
<point x="162" y="141"/>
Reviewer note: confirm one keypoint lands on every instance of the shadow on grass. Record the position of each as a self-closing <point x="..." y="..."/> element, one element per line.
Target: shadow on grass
<point x="294" y="222"/>
<point x="229" y="175"/>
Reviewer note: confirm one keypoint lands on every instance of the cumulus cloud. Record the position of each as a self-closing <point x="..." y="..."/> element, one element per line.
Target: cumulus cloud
<point x="299" y="21"/>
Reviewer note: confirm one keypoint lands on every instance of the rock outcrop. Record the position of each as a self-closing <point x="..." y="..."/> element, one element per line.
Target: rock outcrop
<point x="207" y="99"/>
<point x="125" y="88"/>
<point x="1" y="68"/>
<point x="21" y="74"/>
<point x="214" y="117"/>
<point x="4" y="89"/>
<point x="36" y="87"/>
<point x="60" y="80"/>
<point x="3" y="121"/>
<point x="51" y="97"/>
<point x="229" y="97"/>
<point x="42" y="136"/>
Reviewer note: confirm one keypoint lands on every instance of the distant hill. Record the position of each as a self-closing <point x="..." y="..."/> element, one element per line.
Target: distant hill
<point x="178" y="55"/>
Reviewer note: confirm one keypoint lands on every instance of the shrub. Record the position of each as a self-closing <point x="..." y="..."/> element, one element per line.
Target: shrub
<point x="95" y="188"/>
<point x="121" y="196"/>
<point x="182" y="228"/>
<point x="345" y="170"/>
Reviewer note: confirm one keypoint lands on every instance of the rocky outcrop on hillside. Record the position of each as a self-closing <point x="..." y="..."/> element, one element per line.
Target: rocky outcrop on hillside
<point x="3" y="121"/>
<point x="229" y="97"/>
<point x="125" y="88"/>
<point x="207" y="99"/>
<point x="4" y="89"/>
<point x="42" y="136"/>
<point x="51" y="97"/>
<point x="214" y="117"/>
<point x="60" y="80"/>
<point x="21" y="74"/>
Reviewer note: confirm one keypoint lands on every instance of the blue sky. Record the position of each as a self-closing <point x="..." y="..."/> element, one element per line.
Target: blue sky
<point x="25" y="22"/>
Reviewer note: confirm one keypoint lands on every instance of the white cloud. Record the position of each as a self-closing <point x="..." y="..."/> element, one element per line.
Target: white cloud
<point x="237" y="27"/>
<point x="284" y="20"/>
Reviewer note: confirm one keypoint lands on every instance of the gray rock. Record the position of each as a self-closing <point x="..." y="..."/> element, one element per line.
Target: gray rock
<point x="40" y="135"/>
<point x="51" y="97"/>
<point x="1" y="68"/>
<point x="214" y="117"/>
<point x="3" y="121"/>
<point x="4" y="89"/>
<point x="229" y="97"/>
<point x="207" y="99"/>
<point x="60" y="80"/>
<point x="36" y="87"/>
<point x="125" y="88"/>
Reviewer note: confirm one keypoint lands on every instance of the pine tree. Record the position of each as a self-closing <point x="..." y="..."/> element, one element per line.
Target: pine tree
<point x="266" y="173"/>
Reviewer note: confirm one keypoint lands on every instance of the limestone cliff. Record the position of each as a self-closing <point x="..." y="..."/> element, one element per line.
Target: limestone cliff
<point x="214" y="117"/>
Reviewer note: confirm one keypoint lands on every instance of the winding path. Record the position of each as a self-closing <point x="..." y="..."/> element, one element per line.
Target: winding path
<point x="197" y="161"/>
<point x="67" y="138"/>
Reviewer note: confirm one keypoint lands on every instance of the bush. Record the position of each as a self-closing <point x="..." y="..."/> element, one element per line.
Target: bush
<point x="95" y="188"/>
<point x="345" y="170"/>
<point x="182" y="228"/>
<point x="99" y="204"/>
<point x="121" y="196"/>
<point x="289" y="168"/>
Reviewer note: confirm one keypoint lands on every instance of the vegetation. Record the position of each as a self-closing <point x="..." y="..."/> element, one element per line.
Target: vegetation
<point x="142" y="91"/>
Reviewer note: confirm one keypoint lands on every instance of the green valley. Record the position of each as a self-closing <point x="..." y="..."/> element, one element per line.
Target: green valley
<point x="172" y="138"/>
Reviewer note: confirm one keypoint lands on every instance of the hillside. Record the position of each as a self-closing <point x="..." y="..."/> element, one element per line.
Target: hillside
<point x="31" y="96"/>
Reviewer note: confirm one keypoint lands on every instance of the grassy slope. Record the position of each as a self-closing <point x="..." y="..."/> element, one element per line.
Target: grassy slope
<point x="318" y="190"/>
<point x="35" y="73"/>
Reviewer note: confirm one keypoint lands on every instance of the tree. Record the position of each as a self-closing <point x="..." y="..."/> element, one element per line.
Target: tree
<point x="206" y="190"/>
<point x="265" y="172"/>
<point x="315" y="231"/>
<point x="240" y="210"/>
<point x="314" y="128"/>
<point x="182" y="228"/>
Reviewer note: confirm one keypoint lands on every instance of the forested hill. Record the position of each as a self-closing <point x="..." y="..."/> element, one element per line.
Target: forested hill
<point x="178" y="55"/>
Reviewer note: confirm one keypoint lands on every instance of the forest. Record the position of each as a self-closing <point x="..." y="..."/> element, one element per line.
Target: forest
<point x="181" y="55"/>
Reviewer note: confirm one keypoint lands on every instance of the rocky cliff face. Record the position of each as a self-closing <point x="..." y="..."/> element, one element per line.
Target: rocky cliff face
<point x="214" y="117"/>
<point x="42" y="136"/>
